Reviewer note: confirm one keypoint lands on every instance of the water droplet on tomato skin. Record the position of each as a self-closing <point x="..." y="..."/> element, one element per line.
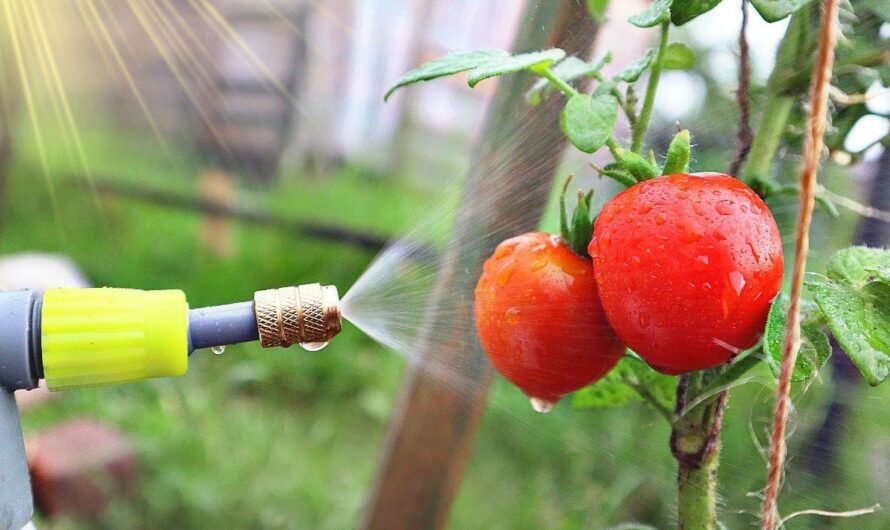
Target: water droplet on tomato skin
<point x="660" y="219"/>
<point x="512" y="316"/>
<point x="645" y="320"/>
<point x="724" y="207"/>
<point x="753" y="248"/>
<point x="704" y="260"/>
<point x="504" y="276"/>
<point x="541" y="406"/>
<point x="737" y="281"/>
<point x="690" y="234"/>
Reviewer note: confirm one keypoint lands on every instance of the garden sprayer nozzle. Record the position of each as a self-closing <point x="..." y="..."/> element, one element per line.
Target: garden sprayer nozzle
<point x="308" y="315"/>
<point x="94" y="337"/>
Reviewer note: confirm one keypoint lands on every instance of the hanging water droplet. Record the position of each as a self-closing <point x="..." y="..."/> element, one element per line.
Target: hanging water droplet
<point x="313" y="346"/>
<point x="542" y="406"/>
<point x="218" y="350"/>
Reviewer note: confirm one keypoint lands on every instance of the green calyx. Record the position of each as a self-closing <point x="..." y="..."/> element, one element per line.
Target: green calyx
<point x="577" y="232"/>
<point x="641" y="168"/>
<point x="678" y="154"/>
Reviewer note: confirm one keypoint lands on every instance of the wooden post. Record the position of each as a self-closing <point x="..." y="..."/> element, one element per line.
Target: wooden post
<point x="217" y="187"/>
<point x="434" y="425"/>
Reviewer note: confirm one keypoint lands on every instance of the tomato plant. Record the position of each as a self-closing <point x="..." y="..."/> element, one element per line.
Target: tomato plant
<point x="687" y="268"/>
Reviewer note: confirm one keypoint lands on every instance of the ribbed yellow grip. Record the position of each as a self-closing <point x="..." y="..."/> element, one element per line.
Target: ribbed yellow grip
<point x="95" y="337"/>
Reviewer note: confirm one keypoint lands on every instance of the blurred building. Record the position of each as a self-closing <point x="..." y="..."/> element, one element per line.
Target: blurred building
<point x="252" y="82"/>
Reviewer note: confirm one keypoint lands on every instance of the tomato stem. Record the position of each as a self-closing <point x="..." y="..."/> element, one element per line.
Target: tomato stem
<point x="613" y="146"/>
<point x="695" y="444"/>
<point x="558" y="82"/>
<point x="640" y="127"/>
<point x="776" y="112"/>
<point x="650" y="398"/>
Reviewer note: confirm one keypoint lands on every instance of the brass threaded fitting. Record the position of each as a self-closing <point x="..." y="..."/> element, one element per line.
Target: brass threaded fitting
<point x="303" y="314"/>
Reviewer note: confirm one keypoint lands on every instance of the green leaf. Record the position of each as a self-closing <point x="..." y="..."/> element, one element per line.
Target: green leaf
<point x="685" y="10"/>
<point x="610" y="391"/>
<point x="855" y="265"/>
<point x="597" y="9"/>
<point x="605" y="88"/>
<point x="655" y="14"/>
<point x="634" y="70"/>
<point x="516" y="63"/>
<point x="774" y="10"/>
<point x="635" y="164"/>
<point x="678" y="56"/>
<point x="587" y="121"/>
<point x="814" y="346"/>
<point x="678" y="154"/>
<point x="880" y="272"/>
<point x="617" y="387"/>
<point x="482" y="63"/>
<point x="859" y="318"/>
<point x="662" y="387"/>
<point x="732" y="372"/>
<point x="448" y="65"/>
<point x="568" y="70"/>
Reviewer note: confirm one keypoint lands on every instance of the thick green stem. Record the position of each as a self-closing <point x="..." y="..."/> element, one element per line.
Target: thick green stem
<point x="767" y="137"/>
<point x="639" y="130"/>
<point x="791" y="60"/>
<point x="698" y="493"/>
<point x="695" y="443"/>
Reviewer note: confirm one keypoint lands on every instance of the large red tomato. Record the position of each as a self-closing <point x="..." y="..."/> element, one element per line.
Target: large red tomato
<point x="686" y="267"/>
<point x="540" y="320"/>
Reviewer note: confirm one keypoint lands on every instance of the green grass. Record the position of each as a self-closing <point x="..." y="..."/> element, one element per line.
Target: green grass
<point x="287" y="439"/>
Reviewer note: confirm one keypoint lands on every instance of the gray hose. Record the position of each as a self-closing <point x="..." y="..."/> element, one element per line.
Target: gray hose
<point x="19" y="340"/>
<point x="221" y="325"/>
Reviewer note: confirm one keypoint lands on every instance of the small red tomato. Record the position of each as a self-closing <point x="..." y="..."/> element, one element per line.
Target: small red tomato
<point x="687" y="266"/>
<point x="540" y="320"/>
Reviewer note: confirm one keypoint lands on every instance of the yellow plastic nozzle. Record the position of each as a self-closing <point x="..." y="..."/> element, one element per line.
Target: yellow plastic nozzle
<point x="96" y="337"/>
